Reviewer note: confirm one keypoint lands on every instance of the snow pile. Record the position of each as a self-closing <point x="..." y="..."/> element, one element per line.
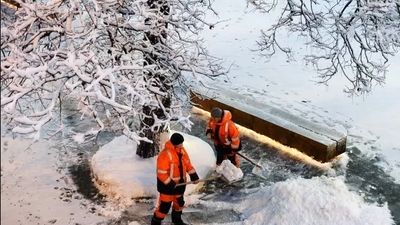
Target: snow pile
<point x="122" y="175"/>
<point x="134" y="223"/>
<point x="229" y="171"/>
<point x="316" y="201"/>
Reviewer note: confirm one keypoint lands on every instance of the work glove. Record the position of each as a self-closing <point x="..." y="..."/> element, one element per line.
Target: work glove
<point x="194" y="177"/>
<point x="240" y="147"/>
<point x="171" y="185"/>
<point x="227" y="150"/>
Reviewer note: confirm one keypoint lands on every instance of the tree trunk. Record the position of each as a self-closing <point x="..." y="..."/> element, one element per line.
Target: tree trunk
<point x="146" y="149"/>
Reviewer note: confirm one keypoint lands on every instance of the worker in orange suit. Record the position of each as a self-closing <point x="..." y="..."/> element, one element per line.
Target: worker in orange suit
<point x="225" y="135"/>
<point x="172" y="165"/>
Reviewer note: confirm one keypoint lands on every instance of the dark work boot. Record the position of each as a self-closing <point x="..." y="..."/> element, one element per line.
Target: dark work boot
<point x="176" y="218"/>
<point x="155" y="220"/>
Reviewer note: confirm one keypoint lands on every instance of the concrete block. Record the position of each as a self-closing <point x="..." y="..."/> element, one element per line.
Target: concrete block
<point x="319" y="142"/>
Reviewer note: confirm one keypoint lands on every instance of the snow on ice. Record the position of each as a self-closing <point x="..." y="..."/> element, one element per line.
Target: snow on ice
<point x="315" y="201"/>
<point x="290" y="86"/>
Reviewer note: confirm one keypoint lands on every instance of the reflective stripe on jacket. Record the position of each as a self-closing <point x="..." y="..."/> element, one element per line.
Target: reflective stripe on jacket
<point x="168" y="168"/>
<point x="228" y="134"/>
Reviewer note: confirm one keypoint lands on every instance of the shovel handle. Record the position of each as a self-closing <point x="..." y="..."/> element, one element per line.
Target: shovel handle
<point x="189" y="182"/>
<point x="249" y="160"/>
<point x="192" y="182"/>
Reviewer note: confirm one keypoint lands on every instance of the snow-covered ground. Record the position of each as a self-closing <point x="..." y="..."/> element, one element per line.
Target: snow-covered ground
<point x="33" y="191"/>
<point x="318" y="201"/>
<point x="31" y="186"/>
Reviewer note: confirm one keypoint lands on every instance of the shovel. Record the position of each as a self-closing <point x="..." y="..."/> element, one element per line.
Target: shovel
<point x="257" y="170"/>
<point x="200" y="180"/>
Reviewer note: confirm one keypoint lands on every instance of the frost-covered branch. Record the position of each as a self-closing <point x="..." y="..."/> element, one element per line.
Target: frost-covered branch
<point x="353" y="37"/>
<point x="113" y="59"/>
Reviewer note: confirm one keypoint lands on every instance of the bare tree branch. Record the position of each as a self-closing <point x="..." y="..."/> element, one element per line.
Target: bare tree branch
<point x="351" y="37"/>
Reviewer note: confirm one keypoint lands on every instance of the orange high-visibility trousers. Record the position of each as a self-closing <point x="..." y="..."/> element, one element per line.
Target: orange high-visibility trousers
<point x="164" y="204"/>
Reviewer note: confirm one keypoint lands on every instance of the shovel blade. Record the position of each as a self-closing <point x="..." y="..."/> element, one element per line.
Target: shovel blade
<point x="259" y="171"/>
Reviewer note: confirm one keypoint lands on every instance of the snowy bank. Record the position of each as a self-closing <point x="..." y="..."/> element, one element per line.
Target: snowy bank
<point x="121" y="174"/>
<point x="35" y="190"/>
<point x="316" y="201"/>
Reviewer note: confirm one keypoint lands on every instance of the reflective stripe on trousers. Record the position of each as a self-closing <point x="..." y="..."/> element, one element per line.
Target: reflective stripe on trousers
<point x="164" y="204"/>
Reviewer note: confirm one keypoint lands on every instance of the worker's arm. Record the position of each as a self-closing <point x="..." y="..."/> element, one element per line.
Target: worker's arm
<point x="163" y="170"/>
<point x="190" y="169"/>
<point x="209" y="131"/>
<point x="234" y="136"/>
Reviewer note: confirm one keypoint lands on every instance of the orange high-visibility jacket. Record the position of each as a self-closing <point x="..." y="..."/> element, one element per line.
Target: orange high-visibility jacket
<point x="168" y="168"/>
<point x="228" y="134"/>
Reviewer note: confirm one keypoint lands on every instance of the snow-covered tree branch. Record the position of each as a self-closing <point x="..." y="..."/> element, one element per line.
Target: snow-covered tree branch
<point x="115" y="59"/>
<point x="353" y="37"/>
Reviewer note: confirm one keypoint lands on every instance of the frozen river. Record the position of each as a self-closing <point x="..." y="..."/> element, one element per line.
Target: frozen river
<point x="56" y="176"/>
<point x="51" y="183"/>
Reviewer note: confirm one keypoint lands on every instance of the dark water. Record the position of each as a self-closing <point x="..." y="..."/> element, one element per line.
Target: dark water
<point x="80" y="170"/>
<point x="81" y="175"/>
<point x="75" y="158"/>
<point x="362" y="175"/>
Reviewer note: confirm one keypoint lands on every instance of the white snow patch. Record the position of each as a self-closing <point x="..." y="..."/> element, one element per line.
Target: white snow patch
<point x="79" y="138"/>
<point x="341" y="161"/>
<point x="122" y="175"/>
<point x="229" y="171"/>
<point x="134" y="223"/>
<point x="32" y="189"/>
<point x="316" y="201"/>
